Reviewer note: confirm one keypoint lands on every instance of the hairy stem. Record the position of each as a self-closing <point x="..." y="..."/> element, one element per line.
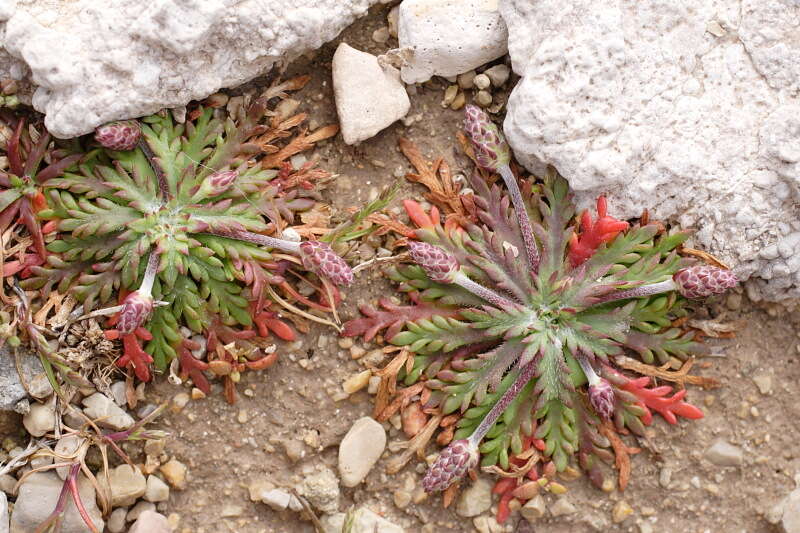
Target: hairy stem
<point x="591" y="375"/>
<point x="151" y="158"/>
<point x="257" y="238"/>
<point x="531" y="249"/>
<point x="499" y="408"/>
<point x="72" y="483"/>
<point x="639" y="292"/>
<point x="479" y="290"/>
<point x="146" y="288"/>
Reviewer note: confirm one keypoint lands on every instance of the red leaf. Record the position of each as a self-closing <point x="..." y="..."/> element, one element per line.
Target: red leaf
<point x="418" y="215"/>
<point x="593" y="233"/>
<point x="133" y="354"/>
<point x="393" y="317"/>
<point x="656" y="399"/>
<point x="267" y="321"/>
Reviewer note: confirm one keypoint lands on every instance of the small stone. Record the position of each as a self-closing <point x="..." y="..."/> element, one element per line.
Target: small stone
<point x="764" y="383"/>
<point x="175" y="473"/>
<point x="722" y="453"/>
<point x="179" y="401"/>
<point x="369" y="97"/>
<point x="787" y="513"/>
<point x="127" y="485"/>
<point x="533" y="508"/>
<point x="106" y="413"/>
<point x="562" y="507"/>
<point x="7" y="484"/>
<point x="357" y="352"/>
<point x="3" y="513"/>
<point x="322" y="490"/>
<point x="39" y="386"/>
<point x="66" y="449"/>
<point x="366" y="521"/>
<point x="157" y="490"/>
<point x="402" y="498"/>
<point x="482" y="81"/>
<point x="40" y="419"/>
<point x="197" y="394"/>
<point x="645" y="527"/>
<point x="449" y="95"/>
<point x="37" y="497"/>
<point x="621" y="512"/>
<point x="345" y="343"/>
<point x="295" y="450"/>
<point x="381" y="35"/>
<point x="118" y="393"/>
<point x="136" y="511"/>
<point x="356" y="382"/>
<point x="476" y="499"/>
<point x="116" y="521"/>
<point x="483" y="98"/>
<point x="242" y="417"/>
<point x="665" y="477"/>
<point x="277" y="499"/>
<point x="359" y="450"/>
<point x="467" y="80"/>
<point x="155" y="447"/>
<point x="459" y="102"/>
<point x="498" y="74"/>
<point x="374" y="383"/>
<point x="151" y="522"/>
<point x="257" y="488"/>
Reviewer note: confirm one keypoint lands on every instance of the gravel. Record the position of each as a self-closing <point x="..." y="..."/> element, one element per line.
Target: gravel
<point x="40" y="419"/>
<point x="476" y="499"/>
<point x="360" y="449"/>
<point x="106" y="413"/>
<point x="722" y="453"/>
<point x="127" y="485"/>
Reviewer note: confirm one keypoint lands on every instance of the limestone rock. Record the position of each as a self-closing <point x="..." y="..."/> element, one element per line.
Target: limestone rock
<point x="476" y="499"/>
<point x="140" y="58"/>
<point x="722" y="453"/>
<point x="37" y="498"/>
<point x="156" y="490"/>
<point x="360" y="449"/>
<point x="127" y="485"/>
<point x="151" y="522"/>
<point x="690" y="110"/>
<point x="369" y="97"/>
<point x="108" y="414"/>
<point x="3" y="513"/>
<point x="449" y="37"/>
<point x="40" y="419"/>
<point x="367" y="521"/>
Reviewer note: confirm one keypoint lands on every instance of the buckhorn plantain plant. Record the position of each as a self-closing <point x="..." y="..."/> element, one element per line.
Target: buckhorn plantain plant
<point x="172" y="218"/>
<point x="517" y="323"/>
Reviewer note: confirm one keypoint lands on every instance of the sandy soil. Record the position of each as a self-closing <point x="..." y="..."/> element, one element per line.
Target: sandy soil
<point x="226" y="447"/>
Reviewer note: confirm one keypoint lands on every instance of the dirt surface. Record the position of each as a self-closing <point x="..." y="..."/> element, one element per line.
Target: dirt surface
<point x="228" y="447"/>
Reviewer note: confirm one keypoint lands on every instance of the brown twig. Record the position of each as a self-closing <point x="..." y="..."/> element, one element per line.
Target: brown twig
<point x="680" y="376"/>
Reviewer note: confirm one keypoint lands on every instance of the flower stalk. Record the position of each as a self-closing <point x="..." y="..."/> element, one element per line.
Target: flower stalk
<point x="442" y="267"/>
<point x="694" y="282"/>
<point x="492" y="153"/>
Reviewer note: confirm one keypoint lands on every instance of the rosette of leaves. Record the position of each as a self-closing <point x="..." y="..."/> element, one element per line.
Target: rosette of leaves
<point x="175" y="230"/>
<point x="518" y="321"/>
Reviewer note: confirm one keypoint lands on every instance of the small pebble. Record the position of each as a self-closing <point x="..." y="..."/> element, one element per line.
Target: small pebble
<point x="449" y="95"/>
<point x="482" y="81"/>
<point x="467" y="80"/>
<point x="498" y="74"/>
<point x="357" y="352"/>
<point x="381" y="35"/>
<point x="459" y="101"/>
<point x="562" y="507"/>
<point x="356" y="382"/>
<point x="359" y="450"/>
<point x="402" y="498"/>
<point x="483" y="98"/>
<point x="764" y="383"/>
<point x="295" y="450"/>
<point x="722" y="453"/>
<point x="175" y="473"/>
<point x="533" y="508"/>
<point x="621" y="512"/>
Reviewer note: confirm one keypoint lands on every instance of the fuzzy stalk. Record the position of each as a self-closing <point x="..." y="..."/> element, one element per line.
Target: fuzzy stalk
<point x="480" y="291"/>
<point x="151" y="158"/>
<point x="261" y="240"/>
<point x="639" y="292"/>
<point x="531" y="249"/>
<point x="502" y="404"/>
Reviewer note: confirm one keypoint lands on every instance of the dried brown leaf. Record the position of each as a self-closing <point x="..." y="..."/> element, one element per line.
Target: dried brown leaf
<point x="680" y="376"/>
<point x="436" y="177"/>
<point x="704" y="256"/>
<point x="622" y="453"/>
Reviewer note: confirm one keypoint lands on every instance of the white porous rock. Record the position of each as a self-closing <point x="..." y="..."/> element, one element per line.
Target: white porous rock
<point x="94" y="62"/>
<point x="360" y="449"/>
<point x="688" y="109"/>
<point x="369" y="97"/>
<point x="449" y="37"/>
